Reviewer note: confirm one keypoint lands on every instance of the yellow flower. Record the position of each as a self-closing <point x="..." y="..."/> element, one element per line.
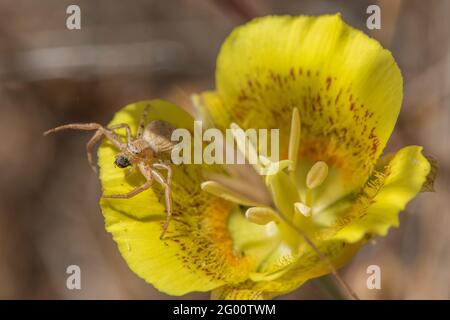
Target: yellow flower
<point x="335" y="94"/>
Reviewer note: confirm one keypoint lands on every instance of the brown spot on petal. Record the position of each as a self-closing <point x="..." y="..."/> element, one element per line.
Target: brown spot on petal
<point x="328" y="83"/>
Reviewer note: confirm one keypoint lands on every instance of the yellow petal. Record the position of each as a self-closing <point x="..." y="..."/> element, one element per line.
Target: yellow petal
<point x="197" y="253"/>
<point x="388" y="193"/>
<point x="347" y="88"/>
<point x="305" y="265"/>
<point x="231" y="293"/>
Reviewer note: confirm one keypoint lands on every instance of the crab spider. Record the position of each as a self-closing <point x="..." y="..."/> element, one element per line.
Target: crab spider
<point x="139" y="152"/>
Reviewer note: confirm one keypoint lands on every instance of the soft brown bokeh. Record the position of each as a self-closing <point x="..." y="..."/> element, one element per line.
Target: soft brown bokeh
<point x="127" y="51"/>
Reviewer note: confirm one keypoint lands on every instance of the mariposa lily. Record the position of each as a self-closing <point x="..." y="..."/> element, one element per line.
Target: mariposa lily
<point x="335" y="94"/>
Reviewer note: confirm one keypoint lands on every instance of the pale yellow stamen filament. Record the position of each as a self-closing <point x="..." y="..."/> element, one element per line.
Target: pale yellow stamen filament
<point x="246" y="146"/>
<point x="294" y="139"/>
<point x="223" y="192"/>
<point x="309" y="197"/>
<point x="262" y="215"/>
<point x="314" y="178"/>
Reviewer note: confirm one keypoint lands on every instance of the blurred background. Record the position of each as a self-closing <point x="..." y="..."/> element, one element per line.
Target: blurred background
<point x="128" y="51"/>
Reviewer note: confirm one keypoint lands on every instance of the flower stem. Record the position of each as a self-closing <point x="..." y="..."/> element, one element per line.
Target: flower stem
<point x="328" y="285"/>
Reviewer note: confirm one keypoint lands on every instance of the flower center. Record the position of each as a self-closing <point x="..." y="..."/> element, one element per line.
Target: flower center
<point x="290" y="202"/>
<point x="293" y="194"/>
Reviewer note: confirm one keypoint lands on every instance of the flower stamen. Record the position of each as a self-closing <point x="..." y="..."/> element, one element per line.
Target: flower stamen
<point x="223" y="192"/>
<point x="294" y="138"/>
<point x="262" y="215"/>
<point x="314" y="178"/>
<point x="316" y="175"/>
<point x="246" y="146"/>
<point x="303" y="209"/>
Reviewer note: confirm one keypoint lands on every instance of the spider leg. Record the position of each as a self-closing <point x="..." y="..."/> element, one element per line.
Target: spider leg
<point x="101" y="131"/>
<point x="131" y="170"/>
<point x="127" y="129"/>
<point x="75" y="126"/>
<point x="89" y="148"/>
<point x="166" y="167"/>
<point x="108" y="133"/>
<point x="141" y="127"/>
<point x="168" y="196"/>
<point x="132" y="193"/>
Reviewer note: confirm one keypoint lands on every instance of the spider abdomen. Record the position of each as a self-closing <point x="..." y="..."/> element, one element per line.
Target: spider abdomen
<point x="158" y="135"/>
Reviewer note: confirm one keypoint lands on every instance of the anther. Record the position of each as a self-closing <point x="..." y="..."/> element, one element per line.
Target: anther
<point x="261" y="215"/>
<point x="316" y="175"/>
<point x="294" y="138"/>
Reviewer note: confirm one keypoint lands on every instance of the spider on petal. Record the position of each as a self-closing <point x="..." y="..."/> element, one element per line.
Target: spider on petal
<point x="140" y="152"/>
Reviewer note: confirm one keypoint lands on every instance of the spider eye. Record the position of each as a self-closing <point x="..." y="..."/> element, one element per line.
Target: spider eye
<point x="122" y="162"/>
